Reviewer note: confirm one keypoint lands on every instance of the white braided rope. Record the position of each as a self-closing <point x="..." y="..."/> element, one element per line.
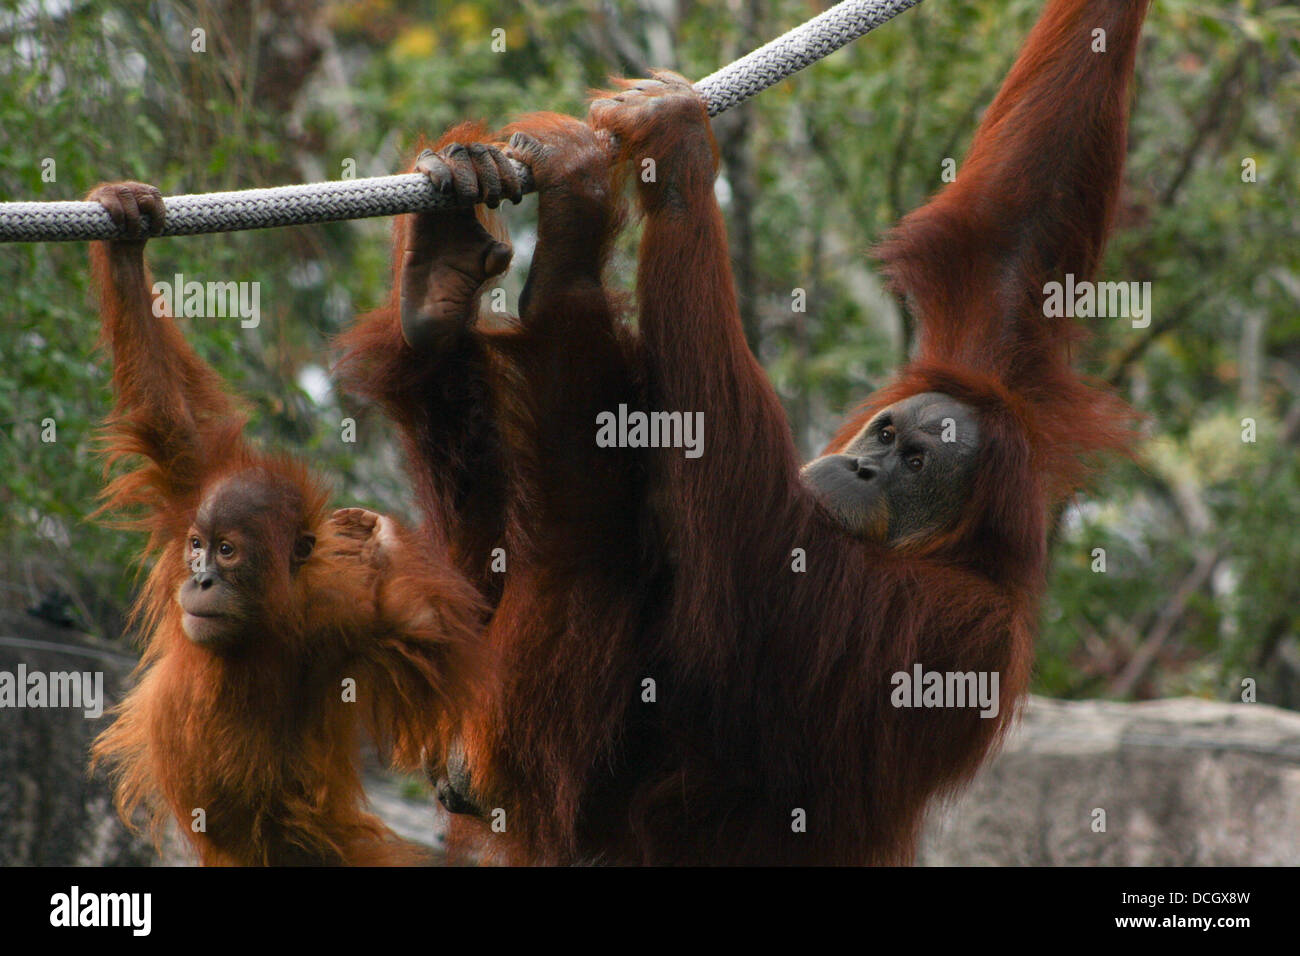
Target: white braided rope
<point x="792" y="51"/>
<point x="410" y="192"/>
<point x="231" y="211"/>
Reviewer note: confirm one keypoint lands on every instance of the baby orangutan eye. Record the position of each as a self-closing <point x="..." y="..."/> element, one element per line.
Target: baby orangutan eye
<point x="887" y="435"/>
<point x="916" y="462"/>
<point x="226" y="549"/>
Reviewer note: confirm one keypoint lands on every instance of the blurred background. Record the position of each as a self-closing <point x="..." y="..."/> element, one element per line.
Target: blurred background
<point x="1200" y="589"/>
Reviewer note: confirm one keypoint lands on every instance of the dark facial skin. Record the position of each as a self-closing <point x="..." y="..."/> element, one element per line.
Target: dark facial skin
<point x="246" y="534"/>
<point x="899" y="480"/>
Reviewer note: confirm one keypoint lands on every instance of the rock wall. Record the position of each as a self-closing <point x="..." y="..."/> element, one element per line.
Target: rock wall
<point x="1182" y="782"/>
<point x="51" y="812"/>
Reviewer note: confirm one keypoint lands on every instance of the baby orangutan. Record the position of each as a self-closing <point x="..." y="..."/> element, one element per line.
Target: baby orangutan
<point x="275" y="632"/>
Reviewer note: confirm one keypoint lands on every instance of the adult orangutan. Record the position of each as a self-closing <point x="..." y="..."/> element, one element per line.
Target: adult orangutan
<point x="696" y="658"/>
<point x="260" y="610"/>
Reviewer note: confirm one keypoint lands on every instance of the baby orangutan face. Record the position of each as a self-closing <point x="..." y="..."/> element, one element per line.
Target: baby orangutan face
<point x="905" y="477"/>
<point x="246" y="541"/>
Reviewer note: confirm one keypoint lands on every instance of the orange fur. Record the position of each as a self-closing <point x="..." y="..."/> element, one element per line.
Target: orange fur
<point x="773" y="685"/>
<point x="261" y="740"/>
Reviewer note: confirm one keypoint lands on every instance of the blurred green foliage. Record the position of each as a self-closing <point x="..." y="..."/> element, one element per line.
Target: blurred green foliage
<point x="817" y="168"/>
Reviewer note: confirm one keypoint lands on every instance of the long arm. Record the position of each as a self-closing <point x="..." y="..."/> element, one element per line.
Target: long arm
<point x="572" y="613"/>
<point x="170" y="406"/>
<point x="719" y="506"/>
<point x="416" y="650"/>
<point x="421" y="360"/>
<point x="1033" y="200"/>
<point x="491" y="416"/>
<point x="572" y="359"/>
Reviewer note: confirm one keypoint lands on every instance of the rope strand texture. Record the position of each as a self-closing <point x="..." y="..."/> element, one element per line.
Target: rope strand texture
<point x="410" y="192"/>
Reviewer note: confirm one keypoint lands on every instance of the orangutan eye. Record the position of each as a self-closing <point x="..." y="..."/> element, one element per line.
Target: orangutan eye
<point x="916" y="462"/>
<point x="887" y="435"/>
<point x="196" y="544"/>
<point x="225" y="549"/>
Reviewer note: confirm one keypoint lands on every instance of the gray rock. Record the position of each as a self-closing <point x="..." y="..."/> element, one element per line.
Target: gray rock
<point x="1183" y="782"/>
